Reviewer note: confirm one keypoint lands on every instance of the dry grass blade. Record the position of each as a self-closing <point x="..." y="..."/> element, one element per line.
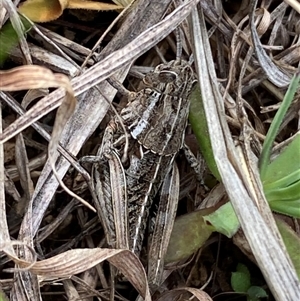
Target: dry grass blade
<point x="22" y="165"/>
<point x="4" y="233"/>
<point x="294" y="4"/>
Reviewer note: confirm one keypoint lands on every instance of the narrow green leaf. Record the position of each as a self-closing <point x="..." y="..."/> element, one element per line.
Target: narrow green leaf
<point x="9" y="39"/>
<point x="264" y="159"/>
<point x="290" y="208"/>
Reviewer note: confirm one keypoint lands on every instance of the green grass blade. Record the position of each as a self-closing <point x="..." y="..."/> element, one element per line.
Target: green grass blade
<point x="264" y="159"/>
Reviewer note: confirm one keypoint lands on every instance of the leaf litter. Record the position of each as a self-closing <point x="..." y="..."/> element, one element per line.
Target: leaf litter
<point x="32" y="206"/>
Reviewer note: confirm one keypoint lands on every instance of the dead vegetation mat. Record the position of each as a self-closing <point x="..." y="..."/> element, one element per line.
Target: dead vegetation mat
<point x="53" y="246"/>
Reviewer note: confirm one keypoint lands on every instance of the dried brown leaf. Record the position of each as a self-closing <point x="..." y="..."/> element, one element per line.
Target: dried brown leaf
<point x="79" y="260"/>
<point x="45" y="10"/>
<point x="32" y="77"/>
<point x="275" y="74"/>
<point x="176" y="293"/>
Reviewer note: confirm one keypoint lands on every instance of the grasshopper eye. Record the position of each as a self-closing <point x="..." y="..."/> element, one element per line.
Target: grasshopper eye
<point x="167" y="76"/>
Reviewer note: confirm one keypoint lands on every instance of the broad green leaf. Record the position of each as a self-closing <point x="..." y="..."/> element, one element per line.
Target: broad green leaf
<point x="255" y="293"/>
<point x="243" y="269"/>
<point x="224" y="220"/>
<point x="190" y="232"/>
<point x="240" y="280"/>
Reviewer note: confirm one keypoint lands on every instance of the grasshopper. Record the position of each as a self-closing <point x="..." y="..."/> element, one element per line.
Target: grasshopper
<point x="127" y="180"/>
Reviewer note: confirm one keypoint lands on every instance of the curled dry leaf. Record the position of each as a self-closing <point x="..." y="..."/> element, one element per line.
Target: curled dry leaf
<point x="45" y="10"/>
<point x="32" y="77"/>
<point x="176" y="293"/>
<point x="275" y="74"/>
<point x="79" y="260"/>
